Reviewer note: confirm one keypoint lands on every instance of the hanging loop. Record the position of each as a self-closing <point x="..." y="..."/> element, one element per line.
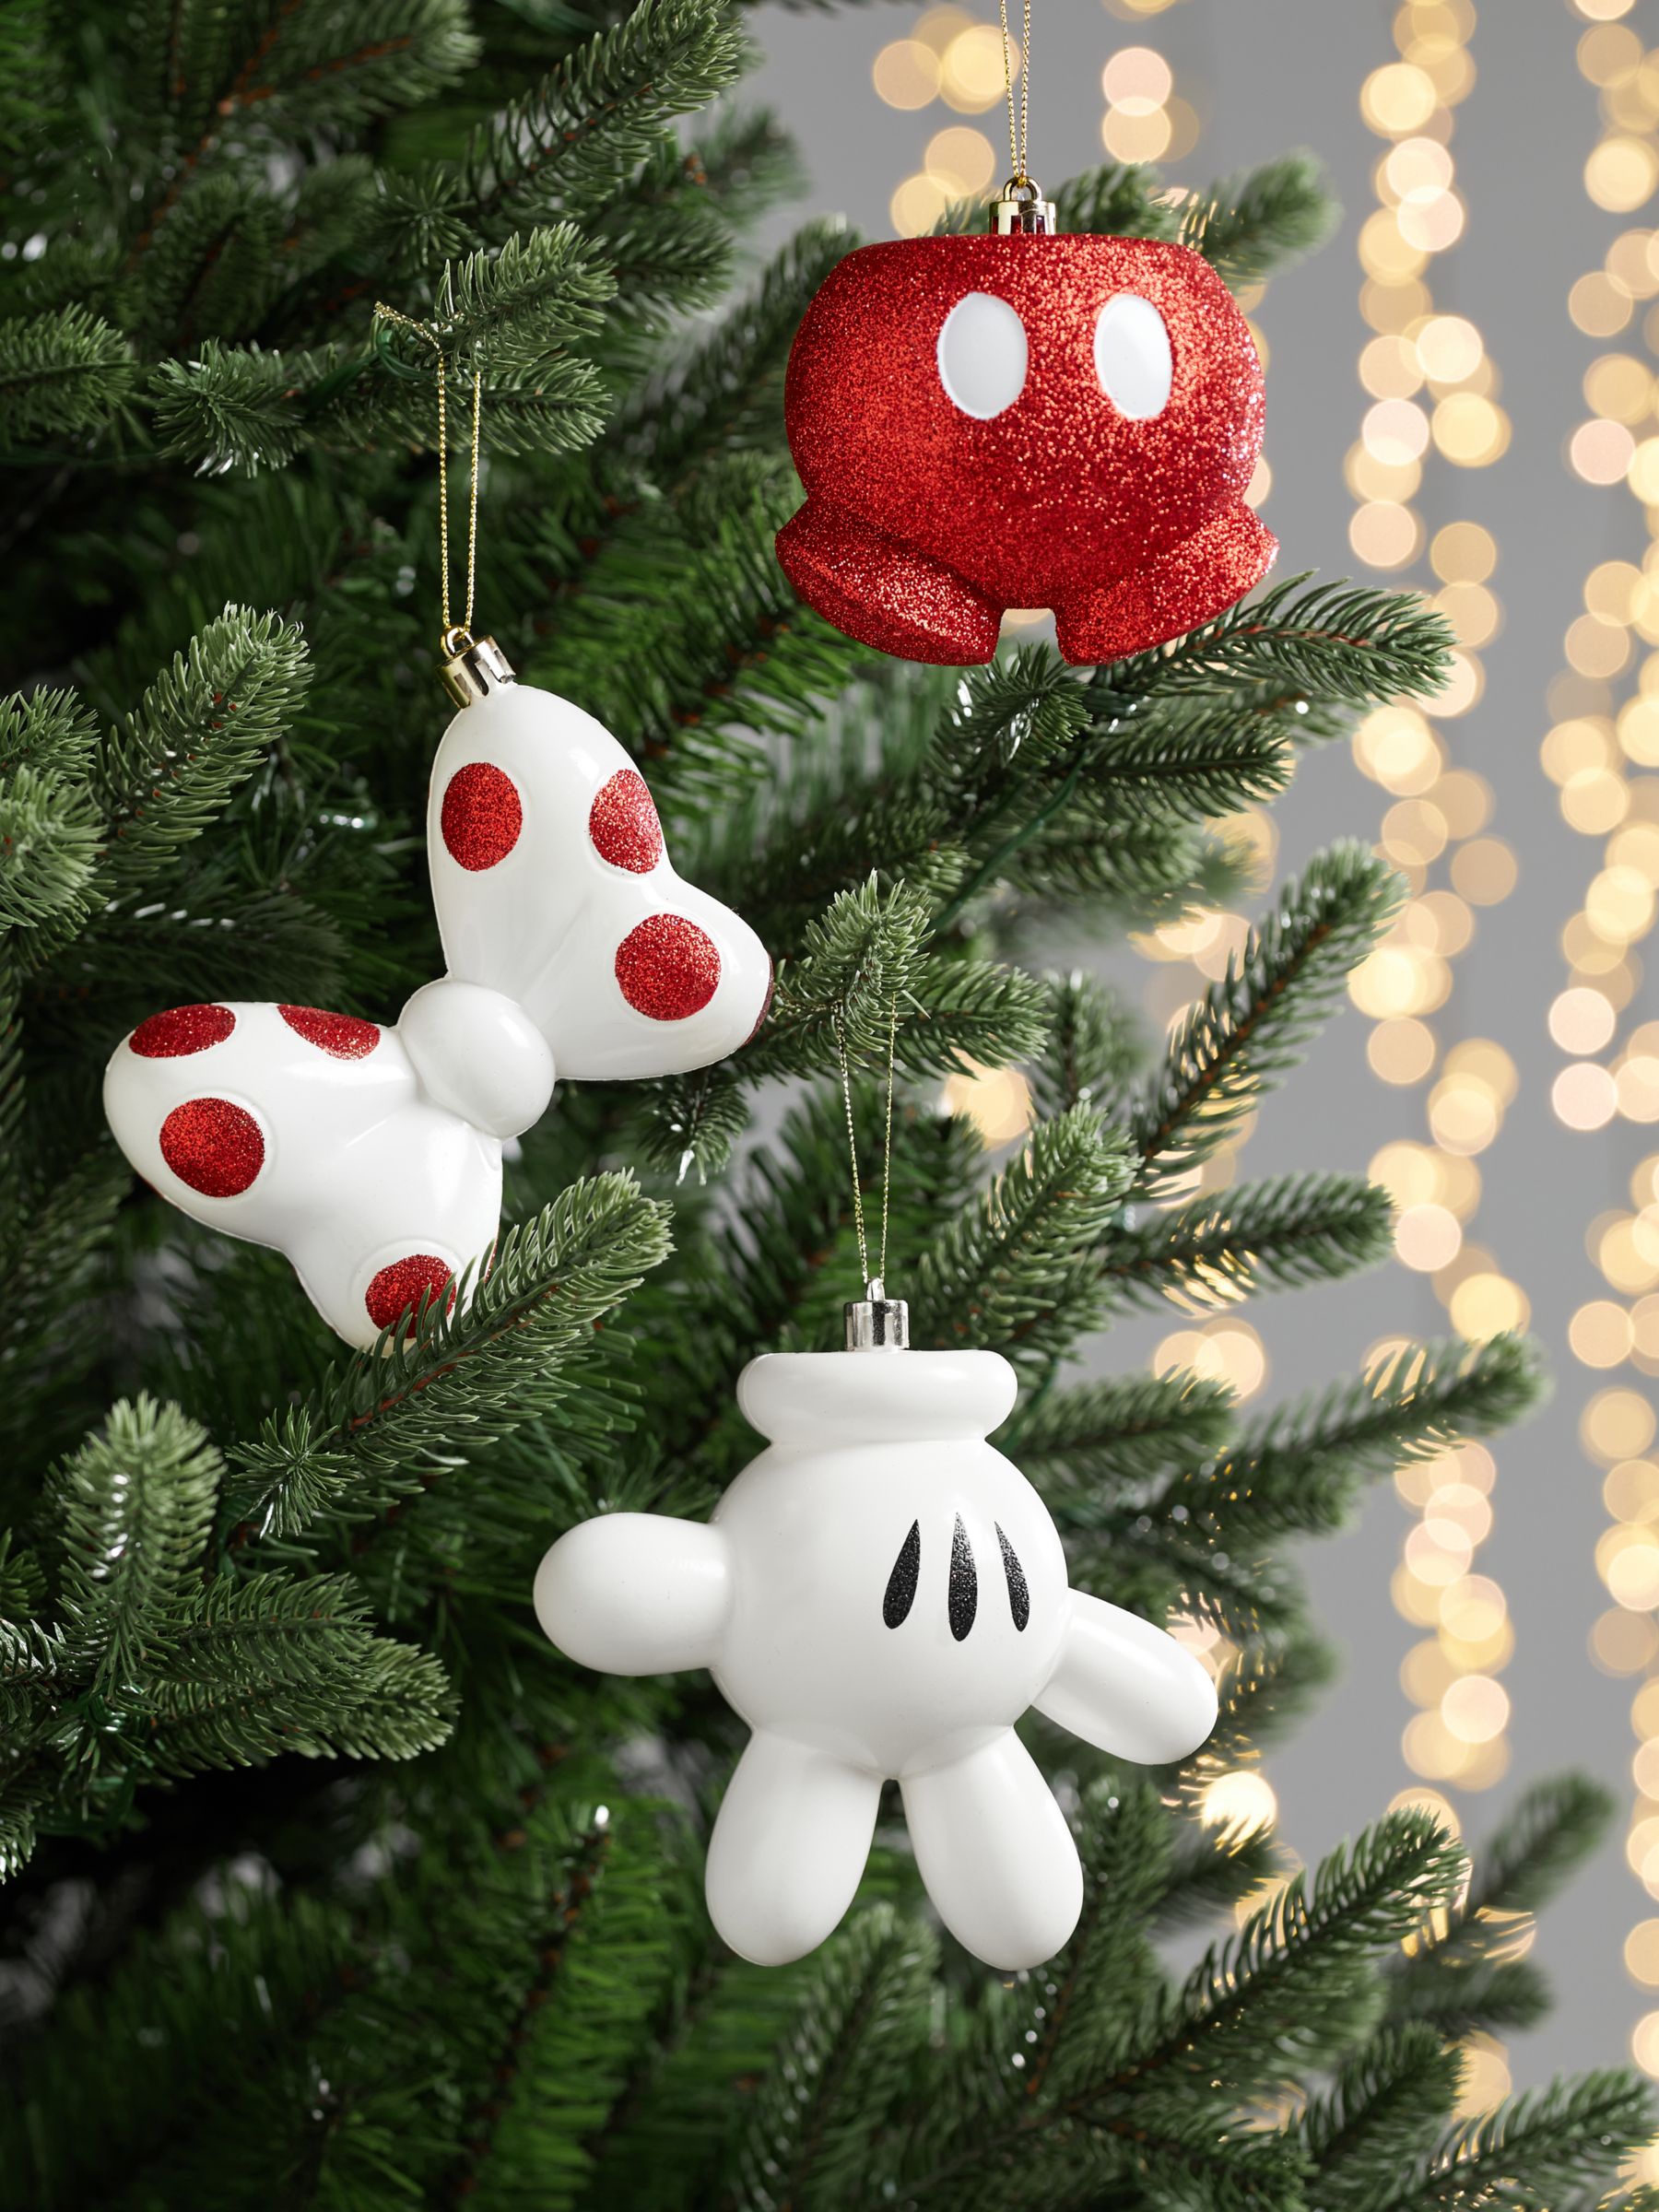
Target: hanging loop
<point x="1018" y="145"/>
<point x="873" y="1281"/>
<point x="456" y="637"/>
<point x="1020" y="209"/>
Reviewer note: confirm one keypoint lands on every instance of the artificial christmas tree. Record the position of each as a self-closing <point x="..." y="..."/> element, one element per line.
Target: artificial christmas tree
<point x="329" y="1882"/>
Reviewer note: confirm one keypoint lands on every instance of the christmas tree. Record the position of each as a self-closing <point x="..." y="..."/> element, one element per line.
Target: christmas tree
<point x="329" y="1882"/>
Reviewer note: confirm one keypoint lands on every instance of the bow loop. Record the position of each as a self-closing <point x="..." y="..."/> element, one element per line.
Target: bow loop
<point x="553" y="884"/>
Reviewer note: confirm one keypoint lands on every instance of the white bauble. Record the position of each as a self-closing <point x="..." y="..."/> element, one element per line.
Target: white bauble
<point x="880" y="1594"/>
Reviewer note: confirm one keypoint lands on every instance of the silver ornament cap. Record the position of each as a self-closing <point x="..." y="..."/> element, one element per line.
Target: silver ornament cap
<point x="476" y="667"/>
<point x="877" y="1323"/>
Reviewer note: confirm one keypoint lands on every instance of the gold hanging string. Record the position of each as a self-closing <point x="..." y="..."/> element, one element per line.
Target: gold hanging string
<point x="887" y="1136"/>
<point x="1018" y="146"/>
<point x="455" y="635"/>
<point x="886" y="1148"/>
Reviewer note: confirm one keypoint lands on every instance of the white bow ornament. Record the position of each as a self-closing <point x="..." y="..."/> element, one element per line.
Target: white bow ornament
<point x="371" y="1155"/>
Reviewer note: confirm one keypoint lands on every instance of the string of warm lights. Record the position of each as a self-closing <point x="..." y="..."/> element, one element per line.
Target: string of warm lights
<point x="1592" y="754"/>
<point x="1433" y="393"/>
<point x="950" y="59"/>
<point x="1434" y="390"/>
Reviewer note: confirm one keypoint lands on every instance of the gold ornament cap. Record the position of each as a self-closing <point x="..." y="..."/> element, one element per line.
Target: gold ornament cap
<point x="476" y="667"/>
<point x="1020" y="210"/>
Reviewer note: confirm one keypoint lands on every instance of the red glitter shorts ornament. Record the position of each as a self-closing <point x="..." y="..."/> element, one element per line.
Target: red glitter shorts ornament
<point x="1026" y="420"/>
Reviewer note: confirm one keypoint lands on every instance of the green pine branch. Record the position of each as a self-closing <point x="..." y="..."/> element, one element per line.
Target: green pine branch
<point x="1118" y="200"/>
<point x="1382" y="2114"/>
<point x="1099" y="1441"/>
<point x="1534" y="2149"/>
<point x="1215" y="1869"/>
<point x="62" y="375"/>
<point x="313" y="68"/>
<point x="1249" y="1028"/>
<point x="599" y="114"/>
<point x="1502" y="1996"/>
<point x="1108" y="1968"/>
<point x="1282" y="1232"/>
<point x="1300" y="1465"/>
<point x="156" y="1665"/>
<point x="1250" y="226"/>
<point x="387" y="1422"/>
<point x="131" y="1511"/>
<point x="1094" y="1046"/>
<point x="267" y="1667"/>
<point x="1018" y="1272"/>
<point x="1291" y="1985"/>
<point x="727" y="395"/>
<point x="512" y="309"/>
<point x="1344" y="644"/>
<point x="49" y="837"/>
<point x="570" y="1956"/>
<point x="1194" y="766"/>
<point x="688" y="1124"/>
<point x="1295" y="1985"/>
<point x="636" y="645"/>
<point x="866" y="978"/>
<point x="807" y="2137"/>
<point x="199" y="731"/>
<point x="1551" y="1831"/>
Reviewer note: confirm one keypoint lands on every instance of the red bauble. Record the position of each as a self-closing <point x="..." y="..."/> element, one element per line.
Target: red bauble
<point x="990" y="422"/>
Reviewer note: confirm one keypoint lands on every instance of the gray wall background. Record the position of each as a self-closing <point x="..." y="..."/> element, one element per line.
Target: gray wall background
<point x="1267" y="74"/>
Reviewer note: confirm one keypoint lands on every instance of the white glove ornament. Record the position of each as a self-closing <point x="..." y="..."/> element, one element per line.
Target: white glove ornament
<point x="880" y="1594"/>
<point x="372" y="1155"/>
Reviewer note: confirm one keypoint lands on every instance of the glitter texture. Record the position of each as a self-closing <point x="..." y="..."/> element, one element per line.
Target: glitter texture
<point x="182" y="1030"/>
<point x="962" y="1598"/>
<point x="213" y="1146"/>
<point x="921" y="523"/>
<point x="481" y="816"/>
<point x="341" y="1035"/>
<point x="1019" y="1595"/>
<point x="901" y="1593"/>
<point x="407" y="1286"/>
<point x="623" y="824"/>
<point x="667" y="967"/>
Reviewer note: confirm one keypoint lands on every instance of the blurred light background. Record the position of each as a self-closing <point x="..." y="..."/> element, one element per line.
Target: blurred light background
<point x="1461" y="397"/>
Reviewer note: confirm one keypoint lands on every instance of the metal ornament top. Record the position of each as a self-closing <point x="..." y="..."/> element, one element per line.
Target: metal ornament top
<point x="1020" y="209"/>
<point x="476" y="667"/>
<point x="877" y="1323"/>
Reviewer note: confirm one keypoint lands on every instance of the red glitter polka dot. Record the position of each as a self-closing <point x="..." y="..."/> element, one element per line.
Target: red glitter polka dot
<point x="405" y="1287"/>
<point x="182" y="1030"/>
<point x="623" y="824"/>
<point x="213" y="1146"/>
<point x="667" y="967"/>
<point x="481" y="816"/>
<point x="343" y="1035"/>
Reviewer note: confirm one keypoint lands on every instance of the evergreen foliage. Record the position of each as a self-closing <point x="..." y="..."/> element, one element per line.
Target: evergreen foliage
<point x="456" y="1948"/>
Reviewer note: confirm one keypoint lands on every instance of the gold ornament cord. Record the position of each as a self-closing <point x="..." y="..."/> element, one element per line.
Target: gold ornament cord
<point x="1018" y="147"/>
<point x="455" y="635"/>
<point x="887" y="1148"/>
